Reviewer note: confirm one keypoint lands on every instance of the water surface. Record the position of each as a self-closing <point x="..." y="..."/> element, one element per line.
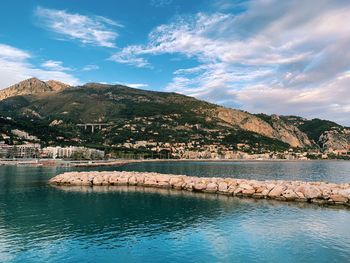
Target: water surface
<point x="332" y="171"/>
<point x="40" y="223"/>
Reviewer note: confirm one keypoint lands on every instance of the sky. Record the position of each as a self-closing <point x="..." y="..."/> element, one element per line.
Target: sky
<point x="270" y="56"/>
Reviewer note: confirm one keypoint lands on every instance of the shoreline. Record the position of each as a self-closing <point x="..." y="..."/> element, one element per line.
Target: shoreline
<point x="322" y="193"/>
<point x="117" y="162"/>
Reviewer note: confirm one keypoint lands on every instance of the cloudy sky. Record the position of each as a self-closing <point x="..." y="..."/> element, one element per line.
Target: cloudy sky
<point x="272" y="56"/>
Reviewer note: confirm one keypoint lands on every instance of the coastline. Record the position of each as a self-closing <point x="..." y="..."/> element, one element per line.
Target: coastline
<point x="117" y="162"/>
<point x="323" y="193"/>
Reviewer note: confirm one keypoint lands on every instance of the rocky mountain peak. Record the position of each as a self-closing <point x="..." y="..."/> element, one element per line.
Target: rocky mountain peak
<point x="32" y="86"/>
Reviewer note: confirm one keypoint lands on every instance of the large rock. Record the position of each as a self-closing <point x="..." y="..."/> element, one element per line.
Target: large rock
<point x="123" y="179"/>
<point x="133" y="180"/>
<point x="248" y="192"/>
<point x="176" y="182"/>
<point x="339" y="198"/>
<point x="199" y="186"/>
<point x="246" y="186"/>
<point x="98" y="180"/>
<point x="211" y="187"/>
<point x="277" y="191"/>
<point x="312" y="192"/>
<point x="113" y="179"/>
<point x="150" y="181"/>
<point x="345" y="193"/>
<point x="223" y="187"/>
<point x="290" y="195"/>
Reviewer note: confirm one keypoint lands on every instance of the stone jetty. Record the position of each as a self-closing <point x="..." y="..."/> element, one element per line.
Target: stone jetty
<point x="313" y="192"/>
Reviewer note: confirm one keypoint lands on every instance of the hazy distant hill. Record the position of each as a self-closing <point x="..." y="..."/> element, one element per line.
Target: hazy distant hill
<point x="134" y="114"/>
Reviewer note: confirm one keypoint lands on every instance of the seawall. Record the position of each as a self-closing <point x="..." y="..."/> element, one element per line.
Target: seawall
<point x="314" y="192"/>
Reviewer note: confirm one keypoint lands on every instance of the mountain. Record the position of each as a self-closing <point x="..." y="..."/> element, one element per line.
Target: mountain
<point x="57" y="85"/>
<point x="32" y="86"/>
<point x="53" y="111"/>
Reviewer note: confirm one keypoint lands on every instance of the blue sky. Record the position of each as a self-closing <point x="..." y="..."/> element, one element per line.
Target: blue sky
<point x="271" y="56"/>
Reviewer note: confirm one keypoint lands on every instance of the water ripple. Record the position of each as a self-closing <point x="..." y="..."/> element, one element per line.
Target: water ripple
<point x="43" y="224"/>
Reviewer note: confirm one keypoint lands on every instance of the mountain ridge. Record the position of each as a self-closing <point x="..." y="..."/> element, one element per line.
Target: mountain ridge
<point x="190" y="118"/>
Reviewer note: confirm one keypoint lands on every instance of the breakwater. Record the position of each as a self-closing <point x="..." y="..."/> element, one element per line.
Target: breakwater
<point x="282" y="190"/>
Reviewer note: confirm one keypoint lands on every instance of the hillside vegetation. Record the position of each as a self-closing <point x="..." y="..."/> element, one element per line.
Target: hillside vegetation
<point x="133" y="114"/>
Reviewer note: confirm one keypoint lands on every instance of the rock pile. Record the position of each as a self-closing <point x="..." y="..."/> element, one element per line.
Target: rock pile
<point x="315" y="192"/>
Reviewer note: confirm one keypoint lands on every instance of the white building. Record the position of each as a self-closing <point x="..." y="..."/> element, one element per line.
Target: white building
<point x="28" y="150"/>
<point x="24" y="135"/>
<point x="5" y="149"/>
<point x="69" y="152"/>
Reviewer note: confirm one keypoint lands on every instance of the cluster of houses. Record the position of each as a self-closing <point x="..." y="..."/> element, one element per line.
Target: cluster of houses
<point x="196" y="150"/>
<point x="34" y="150"/>
<point x="29" y="147"/>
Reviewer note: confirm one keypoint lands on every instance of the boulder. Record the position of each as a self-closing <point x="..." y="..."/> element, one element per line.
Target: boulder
<point x="265" y="192"/>
<point x="223" y="187"/>
<point x="232" y="188"/>
<point x="123" y="179"/>
<point x="312" y="192"/>
<point x="133" y="180"/>
<point x="113" y="180"/>
<point x="300" y="195"/>
<point x="260" y="189"/>
<point x="211" y="187"/>
<point x="246" y="186"/>
<point x="199" y="186"/>
<point x="86" y="181"/>
<point x="150" y="181"/>
<point x="277" y="191"/>
<point x="345" y="192"/>
<point x="248" y="192"/>
<point x="175" y="180"/>
<point x="98" y="180"/>
<point x="238" y="191"/>
<point x="339" y="198"/>
<point x="140" y="179"/>
<point x="290" y="195"/>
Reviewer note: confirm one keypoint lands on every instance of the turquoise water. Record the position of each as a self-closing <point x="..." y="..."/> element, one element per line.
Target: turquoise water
<point x="332" y="171"/>
<point x="40" y="223"/>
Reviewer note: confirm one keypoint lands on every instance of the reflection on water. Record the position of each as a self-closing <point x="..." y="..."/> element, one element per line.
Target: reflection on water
<point x="40" y="223"/>
<point x="109" y="189"/>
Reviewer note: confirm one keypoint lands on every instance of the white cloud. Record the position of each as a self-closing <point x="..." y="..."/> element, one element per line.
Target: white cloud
<point x="128" y="84"/>
<point x="91" y="30"/>
<point x="329" y="101"/>
<point x="136" y="85"/>
<point x="11" y="53"/>
<point x="15" y="66"/>
<point x="129" y="56"/>
<point x="160" y="3"/>
<point x="132" y="85"/>
<point x="287" y="53"/>
<point x="90" y="67"/>
<point x="55" y="65"/>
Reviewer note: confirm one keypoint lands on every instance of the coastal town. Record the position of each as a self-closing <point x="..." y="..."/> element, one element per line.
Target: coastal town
<point x="139" y="124"/>
<point x="174" y="131"/>
<point x="28" y="146"/>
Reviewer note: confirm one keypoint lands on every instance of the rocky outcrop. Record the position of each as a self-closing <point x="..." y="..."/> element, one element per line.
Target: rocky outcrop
<point x="277" y="129"/>
<point x="32" y="86"/>
<point x="335" y="140"/>
<point x="314" y="192"/>
<point x="57" y="85"/>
